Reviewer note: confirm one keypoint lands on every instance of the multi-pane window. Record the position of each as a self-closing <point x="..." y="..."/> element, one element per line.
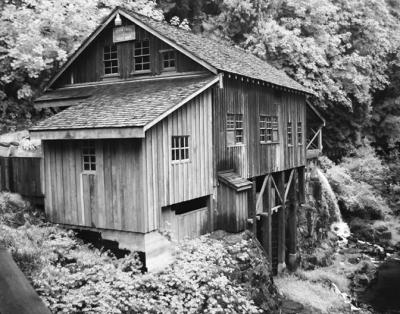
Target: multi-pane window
<point x="142" y="55"/>
<point x="168" y="60"/>
<point x="289" y="133"/>
<point x="180" y="148"/>
<point x="89" y="156"/>
<point x="234" y="129"/>
<point x="110" y="59"/>
<point x="268" y="129"/>
<point x="299" y="133"/>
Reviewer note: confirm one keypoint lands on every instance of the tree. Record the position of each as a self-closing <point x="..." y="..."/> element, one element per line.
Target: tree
<point x="36" y="36"/>
<point x="342" y="50"/>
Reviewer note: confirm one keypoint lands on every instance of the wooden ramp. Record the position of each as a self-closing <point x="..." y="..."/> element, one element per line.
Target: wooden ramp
<point x="16" y="293"/>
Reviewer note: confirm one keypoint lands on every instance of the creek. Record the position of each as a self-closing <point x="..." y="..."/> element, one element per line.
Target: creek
<point x="381" y="293"/>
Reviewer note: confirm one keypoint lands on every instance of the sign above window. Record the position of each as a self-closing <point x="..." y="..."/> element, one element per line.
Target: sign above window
<point x="124" y="33"/>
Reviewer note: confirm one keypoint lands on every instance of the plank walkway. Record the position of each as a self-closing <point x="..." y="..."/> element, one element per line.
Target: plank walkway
<point x="16" y="293"/>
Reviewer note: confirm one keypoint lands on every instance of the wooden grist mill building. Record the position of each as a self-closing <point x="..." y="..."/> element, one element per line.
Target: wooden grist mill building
<point x="162" y="129"/>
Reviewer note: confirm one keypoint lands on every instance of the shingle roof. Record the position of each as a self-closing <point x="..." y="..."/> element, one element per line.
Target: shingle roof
<point x="234" y="180"/>
<point x="126" y="104"/>
<point x="221" y="54"/>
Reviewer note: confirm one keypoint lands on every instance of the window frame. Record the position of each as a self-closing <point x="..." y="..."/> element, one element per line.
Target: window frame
<point x="289" y="127"/>
<point x="299" y="132"/>
<point x="273" y="128"/>
<point x="110" y="46"/>
<point x="232" y="126"/>
<point x="88" y="150"/>
<point x="134" y="71"/>
<point x="162" y="58"/>
<point x="181" y="149"/>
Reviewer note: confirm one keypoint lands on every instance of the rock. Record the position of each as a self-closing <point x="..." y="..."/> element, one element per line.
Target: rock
<point x="386" y="235"/>
<point x="353" y="260"/>
<point x="291" y="307"/>
<point x="363" y="279"/>
<point x="381" y="228"/>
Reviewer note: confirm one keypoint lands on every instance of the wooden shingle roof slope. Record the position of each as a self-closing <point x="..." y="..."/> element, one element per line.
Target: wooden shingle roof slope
<point x="217" y="56"/>
<point x="221" y="54"/>
<point x="126" y="104"/>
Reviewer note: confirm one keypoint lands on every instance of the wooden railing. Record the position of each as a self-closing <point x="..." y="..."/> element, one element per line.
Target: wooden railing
<point x="314" y="144"/>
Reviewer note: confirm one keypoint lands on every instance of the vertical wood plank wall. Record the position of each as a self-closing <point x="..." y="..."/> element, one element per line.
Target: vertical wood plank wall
<point x="254" y="158"/>
<point x="110" y="198"/>
<point x="168" y="182"/>
<point x="232" y="209"/>
<point x="88" y="67"/>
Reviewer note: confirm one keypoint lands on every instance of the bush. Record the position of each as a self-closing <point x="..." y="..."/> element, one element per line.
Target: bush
<point x="357" y="197"/>
<point x="364" y="165"/>
<point x="201" y="280"/>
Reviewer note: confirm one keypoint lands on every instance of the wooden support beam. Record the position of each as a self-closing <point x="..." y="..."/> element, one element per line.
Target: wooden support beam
<point x="268" y="227"/>
<point x="266" y="179"/>
<point x="252" y="196"/>
<point x="282" y="224"/>
<point x="277" y="189"/>
<point x="288" y="186"/>
<point x="301" y="184"/>
<point x="291" y="241"/>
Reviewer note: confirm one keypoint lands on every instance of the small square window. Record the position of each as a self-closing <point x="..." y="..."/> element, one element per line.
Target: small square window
<point x="289" y="134"/>
<point x="88" y="156"/>
<point x="234" y="129"/>
<point x="268" y="129"/>
<point x="299" y="133"/>
<point x="180" y="148"/>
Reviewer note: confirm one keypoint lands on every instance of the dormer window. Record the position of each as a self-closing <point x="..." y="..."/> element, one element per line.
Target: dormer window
<point x="142" y="56"/>
<point x="110" y="59"/>
<point x="168" y="60"/>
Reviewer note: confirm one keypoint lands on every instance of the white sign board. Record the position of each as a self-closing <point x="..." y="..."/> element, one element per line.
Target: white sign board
<point x="124" y="33"/>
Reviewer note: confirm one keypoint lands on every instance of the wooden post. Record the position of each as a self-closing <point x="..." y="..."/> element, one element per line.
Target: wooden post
<point x="252" y="198"/>
<point x="210" y="214"/>
<point x="301" y="184"/>
<point x="292" y="224"/>
<point x="282" y="224"/>
<point x="267" y="228"/>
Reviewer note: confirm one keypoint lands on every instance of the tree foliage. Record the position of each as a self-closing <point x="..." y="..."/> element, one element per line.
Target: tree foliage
<point x="36" y="36"/>
<point x="346" y="51"/>
<point x="343" y="50"/>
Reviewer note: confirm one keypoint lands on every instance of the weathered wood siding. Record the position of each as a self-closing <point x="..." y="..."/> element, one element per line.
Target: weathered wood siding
<point x="169" y="182"/>
<point x="110" y="197"/>
<point x="232" y="209"/>
<point x="254" y="158"/>
<point x="88" y="67"/>
<point x="186" y="226"/>
<point x="22" y="175"/>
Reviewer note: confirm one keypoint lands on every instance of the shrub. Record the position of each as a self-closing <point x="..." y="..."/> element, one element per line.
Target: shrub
<point x="356" y="198"/>
<point x="364" y="165"/>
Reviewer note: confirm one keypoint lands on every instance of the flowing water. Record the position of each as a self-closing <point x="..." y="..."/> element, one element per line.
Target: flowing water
<point x="383" y="294"/>
<point x="330" y="197"/>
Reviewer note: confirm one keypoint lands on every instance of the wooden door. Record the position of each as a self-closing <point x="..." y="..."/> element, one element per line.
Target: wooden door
<point x="88" y="198"/>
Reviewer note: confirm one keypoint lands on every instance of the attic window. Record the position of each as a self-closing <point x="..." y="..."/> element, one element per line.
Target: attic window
<point x="88" y="156"/>
<point x="110" y="57"/>
<point x="168" y="59"/>
<point x="234" y="129"/>
<point x="268" y="129"/>
<point x="142" y="56"/>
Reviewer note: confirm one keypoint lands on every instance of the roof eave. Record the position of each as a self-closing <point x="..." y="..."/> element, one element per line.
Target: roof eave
<point x="87" y="133"/>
